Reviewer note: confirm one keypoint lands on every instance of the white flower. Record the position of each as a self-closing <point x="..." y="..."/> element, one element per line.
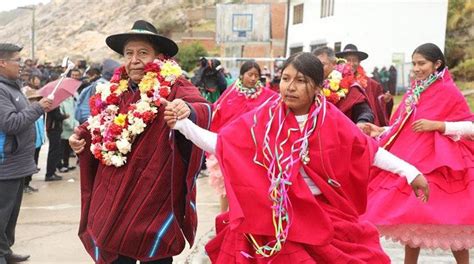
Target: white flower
<point x="101" y="87"/>
<point x="142" y="106"/>
<point x="94" y="122"/>
<point x="118" y="160"/>
<point x="124" y="146"/>
<point x="137" y="126"/>
<point x="335" y="75"/>
<point x="125" y="134"/>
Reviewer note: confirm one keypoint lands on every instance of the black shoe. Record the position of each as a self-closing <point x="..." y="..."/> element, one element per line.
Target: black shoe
<point x="15" y="258"/>
<point x="53" y="177"/>
<point x="70" y="168"/>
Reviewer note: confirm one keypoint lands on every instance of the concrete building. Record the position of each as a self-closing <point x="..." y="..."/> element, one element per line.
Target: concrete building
<point x="388" y="30"/>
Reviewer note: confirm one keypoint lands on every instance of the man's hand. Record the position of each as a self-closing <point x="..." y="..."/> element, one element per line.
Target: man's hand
<point x="424" y="125"/>
<point x="77" y="144"/>
<point x="370" y="129"/>
<point x="46" y="104"/>
<point x="421" y="184"/>
<point x="174" y="111"/>
<point x="387" y="97"/>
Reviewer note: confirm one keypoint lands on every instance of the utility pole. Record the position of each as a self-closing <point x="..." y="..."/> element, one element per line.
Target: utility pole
<point x="33" y="9"/>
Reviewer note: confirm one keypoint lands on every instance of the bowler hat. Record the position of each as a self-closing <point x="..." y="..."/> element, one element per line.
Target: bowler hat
<point x="352" y="49"/>
<point x="143" y="28"/>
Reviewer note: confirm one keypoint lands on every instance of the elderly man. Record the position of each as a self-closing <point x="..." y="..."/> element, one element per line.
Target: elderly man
<point x="17" y="146"/>
<point x="355" y="104"/>
<point x="373" y="89"/>
<point x="138" y="199"/>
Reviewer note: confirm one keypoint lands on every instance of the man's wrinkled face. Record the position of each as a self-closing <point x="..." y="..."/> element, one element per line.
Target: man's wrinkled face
<point x="137" y="53"/>
<point x="353" y="60"/>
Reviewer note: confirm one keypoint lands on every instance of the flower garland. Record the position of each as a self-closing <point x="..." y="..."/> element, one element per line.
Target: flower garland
<point x="113" y="132"/>
<point x="340" y="80"/>
<point x="252" y="92"/>
<point x="417" y="87"/>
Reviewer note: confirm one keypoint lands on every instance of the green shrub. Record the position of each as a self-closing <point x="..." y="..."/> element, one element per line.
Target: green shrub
<point x="464" y="71"/>
<point x="189" y="55"/>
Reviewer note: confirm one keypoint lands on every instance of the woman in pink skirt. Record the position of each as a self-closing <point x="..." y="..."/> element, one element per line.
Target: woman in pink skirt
<point x="244" y="95"/>
<point x="447" y="220"/>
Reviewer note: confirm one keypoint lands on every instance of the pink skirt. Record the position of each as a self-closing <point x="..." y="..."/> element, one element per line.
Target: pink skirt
<point x="216" y="180"/>
<point x="446" y="221"/>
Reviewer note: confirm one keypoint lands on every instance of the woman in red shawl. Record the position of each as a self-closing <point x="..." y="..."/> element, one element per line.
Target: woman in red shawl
<point x="245" y="94"/>
<point x="296" y="173"/>
<point x="447" y="221"/>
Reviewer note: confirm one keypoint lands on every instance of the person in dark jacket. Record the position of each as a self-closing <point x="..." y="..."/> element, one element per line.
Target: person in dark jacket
<point x="17" y="146"/>
<point x="54" y="128"/>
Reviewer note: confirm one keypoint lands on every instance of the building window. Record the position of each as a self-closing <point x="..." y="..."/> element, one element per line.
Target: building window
<point x="337" y="47"/>
<point x="298" y="11"/>
<point x="316" y="46"/>
<point x="327" y="8"/>
<point x="296" y="50"/>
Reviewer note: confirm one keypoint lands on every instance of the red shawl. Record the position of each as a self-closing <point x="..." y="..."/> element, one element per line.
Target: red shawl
<point x="337" y="149"/>
<point x="232" y="104"/>
<point x="442" y="101"/>
<point x="146" y="208"/>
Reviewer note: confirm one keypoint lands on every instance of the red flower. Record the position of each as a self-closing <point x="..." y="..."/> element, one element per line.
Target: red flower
<point x="149" y="93"/>
<point x="132" y="108"/>
<point x="113" y="87"/>
<point x="112" y="99"/>
<point x="148" y="116"/>
<point x="345" y="82"/>
<point x="157" y="103"/>
<point x="152" y="67"/>
<point x="96" y="139"/>
<point x="119" y="74"/>
<point x="164" y="92"/>
<point x="111" y="146"/>
<point x="333" y="98"/>
<point x="98" y="154"/>
<point x="165" y="83"/>
<point x="115" y="129"/>
<point x="95" y="104"/>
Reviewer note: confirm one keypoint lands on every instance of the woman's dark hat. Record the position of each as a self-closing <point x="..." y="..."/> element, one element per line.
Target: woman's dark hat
<point x="143" y="28"/>
<point x="352" y="49"/>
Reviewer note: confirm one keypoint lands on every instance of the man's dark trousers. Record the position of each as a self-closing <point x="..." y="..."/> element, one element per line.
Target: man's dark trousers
<point x="11" y="193"/>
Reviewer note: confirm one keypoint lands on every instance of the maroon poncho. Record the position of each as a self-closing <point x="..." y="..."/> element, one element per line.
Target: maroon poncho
<point x="356" y="95"/>
<point x="324" y="228"/>
<point x="146" y="208"/>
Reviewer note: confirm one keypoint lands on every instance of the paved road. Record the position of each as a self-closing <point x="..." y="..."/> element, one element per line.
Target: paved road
<point x="49" y="219"/>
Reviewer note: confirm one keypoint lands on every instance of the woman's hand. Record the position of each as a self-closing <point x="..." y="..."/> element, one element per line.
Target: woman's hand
<point x="424" y="125"/>
<point x="421" y="184"/>
<point x="370" y="129"/>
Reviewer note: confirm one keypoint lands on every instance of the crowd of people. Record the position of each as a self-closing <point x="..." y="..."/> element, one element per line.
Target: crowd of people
<point x="309" y="166"/>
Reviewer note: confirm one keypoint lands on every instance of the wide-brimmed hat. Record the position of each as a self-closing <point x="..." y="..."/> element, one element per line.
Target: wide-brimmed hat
<point x="31" y="93"/>
<point x="352" y="49"/>
<point x="143" y="28"/>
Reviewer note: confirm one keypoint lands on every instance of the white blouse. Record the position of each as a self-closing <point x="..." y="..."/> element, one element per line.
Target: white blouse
<point x="207" y="140"/>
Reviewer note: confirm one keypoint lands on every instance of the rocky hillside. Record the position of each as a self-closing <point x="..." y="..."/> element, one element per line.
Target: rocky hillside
<point x="78" y="28"/>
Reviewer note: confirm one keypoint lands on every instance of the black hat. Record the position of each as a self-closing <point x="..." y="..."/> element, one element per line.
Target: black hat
<point x="9" y="47"/>
<point x="352" y="49"/>
<point x="143" y="28"/>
